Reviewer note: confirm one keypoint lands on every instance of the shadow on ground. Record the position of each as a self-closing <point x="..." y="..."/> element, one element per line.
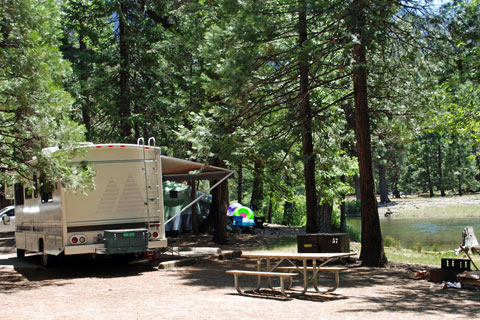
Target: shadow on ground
<point x="378" y="289"/>
<point x="28" y="273"/>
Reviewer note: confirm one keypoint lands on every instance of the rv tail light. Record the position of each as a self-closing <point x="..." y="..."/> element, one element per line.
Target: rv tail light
<point x="78" y="239"/>
<point x="155" y="234"/>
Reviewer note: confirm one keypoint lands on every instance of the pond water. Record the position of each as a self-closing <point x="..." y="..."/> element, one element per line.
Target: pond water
<point x="431" y="234"/>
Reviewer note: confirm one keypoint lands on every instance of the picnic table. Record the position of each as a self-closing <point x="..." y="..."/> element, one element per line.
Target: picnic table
<point x="298" y="262"/>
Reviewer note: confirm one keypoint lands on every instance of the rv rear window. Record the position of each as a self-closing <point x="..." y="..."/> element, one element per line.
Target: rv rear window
<point x="46" y="191"/>
<point x="35" y="185"/>
<point x="19" y="200"/>
<point x="28" y="193"/>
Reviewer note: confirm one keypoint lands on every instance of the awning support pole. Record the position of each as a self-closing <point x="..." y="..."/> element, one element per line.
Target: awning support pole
<point x="203" y="195"/>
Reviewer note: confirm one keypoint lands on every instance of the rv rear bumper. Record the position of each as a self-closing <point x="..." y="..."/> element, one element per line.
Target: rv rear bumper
<point x="100" y="248"/>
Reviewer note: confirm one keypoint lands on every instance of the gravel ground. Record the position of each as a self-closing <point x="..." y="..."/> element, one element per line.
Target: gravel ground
<point x="102" y="289"/>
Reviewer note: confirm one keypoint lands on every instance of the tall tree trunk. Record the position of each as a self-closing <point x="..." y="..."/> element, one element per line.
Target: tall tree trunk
<point x="372" y="253"/>
<point x="270" y="206"/>
<point x="459" y="166"/>
<point x="440" y="169"/>
<point x="124" y="103"/>
<point x="306" y="122"/>
<point x="240" y="183"/>
<point x="427" y="170"/>
<point x="325" y="217"/>
<point x="477" y="160"/>
<point x="256" y="202"/>
<point x="288" y="206"/>
<point x="383" y="183"/>
<point x="343" y="210"/>
<point x="193" y="196"/>
<point x="209" y="222"/>
<point x="288" y="209"/>
<point x="218" y="210"/>
<point x="220" y="230"/>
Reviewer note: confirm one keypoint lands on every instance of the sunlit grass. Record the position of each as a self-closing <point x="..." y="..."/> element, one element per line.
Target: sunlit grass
<point x="281" y="244"/>
<point x="394" y="254"/>
<point x="420" y="257"/>
<point x="443" y="212"/>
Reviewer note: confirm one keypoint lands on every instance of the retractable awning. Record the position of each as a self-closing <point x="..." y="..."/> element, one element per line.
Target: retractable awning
<point x="174" y="169"/>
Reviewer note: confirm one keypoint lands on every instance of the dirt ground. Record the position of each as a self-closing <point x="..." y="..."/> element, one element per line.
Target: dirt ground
<point x="103" y="289"/>
<point x="83" y="288"/>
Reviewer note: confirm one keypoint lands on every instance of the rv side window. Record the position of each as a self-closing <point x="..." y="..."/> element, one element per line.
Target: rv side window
<point x="19" y="200"/>
<point x="46" y="191"/>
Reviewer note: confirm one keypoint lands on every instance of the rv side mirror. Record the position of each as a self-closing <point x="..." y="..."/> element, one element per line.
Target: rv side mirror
<point x="6" y="219"/>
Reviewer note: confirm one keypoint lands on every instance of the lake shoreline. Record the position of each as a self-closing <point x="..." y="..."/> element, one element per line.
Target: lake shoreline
<point x="436" y="207"/>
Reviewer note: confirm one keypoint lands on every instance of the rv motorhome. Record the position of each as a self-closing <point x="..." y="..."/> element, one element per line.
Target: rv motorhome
<point x="123" y="215"/>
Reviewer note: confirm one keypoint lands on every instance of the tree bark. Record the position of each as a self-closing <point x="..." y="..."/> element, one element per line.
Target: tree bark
<point x="372" y="253"/>
<point x="209" y="222"/>
<point x="218" y="210"/>
<point x="440" y="169"/>
<point x="220" y="230"/>
<point x="306" y="123"/>
<point x="477" y="160"/>
<point x="325" y="217"/>
<point x="383" y="183"/>
<point x="459" y="166"/>
<point x="288" y="208"/>
<point x="193" y="196"/>
<point x="256" y="202"/>
<point x="343" y="210"/>
<point x="427" y="170"/>
<point x="240" y="181"/>
<point x="270" y="206"/>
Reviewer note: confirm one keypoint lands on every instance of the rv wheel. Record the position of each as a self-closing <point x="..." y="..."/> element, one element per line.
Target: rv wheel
<point x="20" y="253"/>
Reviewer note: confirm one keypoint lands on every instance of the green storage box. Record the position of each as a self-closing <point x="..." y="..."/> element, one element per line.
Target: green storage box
<point x="126" y="241"/>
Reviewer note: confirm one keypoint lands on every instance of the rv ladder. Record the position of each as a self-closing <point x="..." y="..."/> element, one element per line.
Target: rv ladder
<point x="152" y="187"/>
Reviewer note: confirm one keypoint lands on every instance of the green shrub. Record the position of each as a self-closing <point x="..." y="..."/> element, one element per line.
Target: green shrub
<point x="391" y="242"/>
<point x="353" y="208"/>
<point x="418" y="247"/>
<point x="355" y="234"/>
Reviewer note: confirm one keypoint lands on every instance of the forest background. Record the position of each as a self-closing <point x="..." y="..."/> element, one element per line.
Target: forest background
<point x="304" y="99"/>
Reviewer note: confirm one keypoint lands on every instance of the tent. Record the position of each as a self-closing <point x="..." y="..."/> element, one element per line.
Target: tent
<point x="175" y="197"/>
<point x="177" y="194"/>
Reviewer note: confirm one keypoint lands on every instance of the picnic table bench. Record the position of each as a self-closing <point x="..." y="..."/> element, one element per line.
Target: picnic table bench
<point x="334" y="270"/>
<point x="260" y="274"/>
<point x="309" y="272"/>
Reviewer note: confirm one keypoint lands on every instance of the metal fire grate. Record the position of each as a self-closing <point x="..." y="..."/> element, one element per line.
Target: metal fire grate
<point x="455" y="264"/>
